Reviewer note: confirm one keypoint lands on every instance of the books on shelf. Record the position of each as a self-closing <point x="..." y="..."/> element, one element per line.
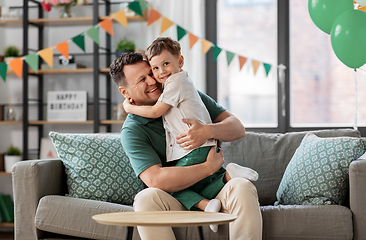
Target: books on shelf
<point x="6" y="208"/>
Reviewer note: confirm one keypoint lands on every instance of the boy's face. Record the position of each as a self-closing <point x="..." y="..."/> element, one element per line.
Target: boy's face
<point x="165" y="65"/>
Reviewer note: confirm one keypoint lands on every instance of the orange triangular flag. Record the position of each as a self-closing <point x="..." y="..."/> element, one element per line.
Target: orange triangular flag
<point x="242" y="61"/>
<point x="120" y="17"/>
<point x="47" y="56"/>
<point x="17" y="66"/>
<point x="206" y="45"/>
<point x="153" y="16"/>
<point x="255" y="65"/>
<point x="63" y="48"/>
<point x="362" y="9"/>
<point x="192" y="40"/>
<point x="107" y="25"/>
<point x="165" y="24"/>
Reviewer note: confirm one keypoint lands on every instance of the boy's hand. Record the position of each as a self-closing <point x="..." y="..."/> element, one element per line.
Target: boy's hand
<point x="214" y="159"/>
<point x="127" y="105"/>
<point x="194" y="137"/>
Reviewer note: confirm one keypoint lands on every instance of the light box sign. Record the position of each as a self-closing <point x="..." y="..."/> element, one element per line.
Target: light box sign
<point x="66" y="106"/>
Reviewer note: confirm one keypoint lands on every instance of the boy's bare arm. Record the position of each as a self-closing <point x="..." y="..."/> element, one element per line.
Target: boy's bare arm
<point x="154" y="111"/>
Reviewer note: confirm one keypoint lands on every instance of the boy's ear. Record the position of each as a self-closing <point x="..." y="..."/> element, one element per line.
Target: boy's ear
<point x="181" y="61"/>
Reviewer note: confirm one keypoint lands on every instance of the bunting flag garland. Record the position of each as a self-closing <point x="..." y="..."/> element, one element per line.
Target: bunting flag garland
<point x="165" y="25"/>
<point x="138" y="6"/>
<point x="267" y="68"/>
<point x="216" y="51"/>
<point x="107" y="25"/>
<point x="153" y="16"/>
<point x="63" y="48"/>
<point x="32" y="60"/>
<point x="93" y="33"/>
<point x="47" y="56"/>
<point x="255" y="65"/>
<point x="79" y="40"/>
<point x="206" y="45"/>
<point x="3" y="70"/>
<point x="121" y="18"/>
<point x="242" y="61"/>
<point x="192" y="40"/>
<point x="229" y="57"/>
<point x="17" y="66"/>
<point x="135" y="6"/>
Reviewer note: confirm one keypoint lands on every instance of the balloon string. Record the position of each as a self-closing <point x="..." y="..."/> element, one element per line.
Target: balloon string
<point x="355" y="75"/>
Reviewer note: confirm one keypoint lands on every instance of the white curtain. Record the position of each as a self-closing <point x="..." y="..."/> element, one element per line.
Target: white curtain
<point x="188" y="14"/>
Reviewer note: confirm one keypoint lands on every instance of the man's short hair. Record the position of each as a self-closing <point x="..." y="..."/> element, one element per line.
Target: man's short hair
<point x="160" y="44"/>
<point x="116" y="68"/>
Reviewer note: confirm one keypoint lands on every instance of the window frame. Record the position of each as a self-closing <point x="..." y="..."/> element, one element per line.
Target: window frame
<point x="283" y="57"/>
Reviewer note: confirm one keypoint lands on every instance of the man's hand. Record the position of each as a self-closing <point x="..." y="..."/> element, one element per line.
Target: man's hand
<point x="215" y="160"/>
<point x="194" y="137"/>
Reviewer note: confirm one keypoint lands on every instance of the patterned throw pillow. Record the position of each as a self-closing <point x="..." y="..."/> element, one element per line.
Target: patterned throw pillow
<point x="97" y="167"/>
<point x="318" y="171"/>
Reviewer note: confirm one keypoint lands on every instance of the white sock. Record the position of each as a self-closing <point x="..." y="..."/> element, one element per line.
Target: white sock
<point x="236" y="171"/>
<point x="213" y="205"/>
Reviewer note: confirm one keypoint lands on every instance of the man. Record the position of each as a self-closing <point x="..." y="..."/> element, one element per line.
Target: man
<point x="143" y="140"/>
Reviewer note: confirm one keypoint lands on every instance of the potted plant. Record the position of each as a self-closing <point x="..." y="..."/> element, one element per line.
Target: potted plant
<point x="125" y="45"/>
<point x="11" y="52"/>
<point x="12" y="156"/>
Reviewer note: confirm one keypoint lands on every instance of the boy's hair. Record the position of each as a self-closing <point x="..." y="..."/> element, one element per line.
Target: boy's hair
<point x="116" y="67"/>
<point x="160" y="44"/>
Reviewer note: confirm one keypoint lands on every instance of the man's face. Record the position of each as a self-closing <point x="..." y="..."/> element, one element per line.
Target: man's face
<point x="142" y="88"/>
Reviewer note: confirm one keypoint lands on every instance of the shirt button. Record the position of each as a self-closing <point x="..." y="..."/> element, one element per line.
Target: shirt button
<point x="171" y="145"/>
<point x="186" y="159"/>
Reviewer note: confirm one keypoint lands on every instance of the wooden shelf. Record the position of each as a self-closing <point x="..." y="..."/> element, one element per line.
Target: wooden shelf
<point x="63" y="71"/>
<point x="44" y="122"/>
<point x="112" y="121"/>
<point x="64" y="21"/>
<point x="11" y="122"/>
<point x="5" y="173"/>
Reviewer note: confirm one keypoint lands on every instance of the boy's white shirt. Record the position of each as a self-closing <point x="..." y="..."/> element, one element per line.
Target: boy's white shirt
<point x="180" y="93"/>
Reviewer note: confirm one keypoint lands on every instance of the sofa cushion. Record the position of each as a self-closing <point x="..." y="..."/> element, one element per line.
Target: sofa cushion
<point x="73" y="217"/>
<point x="97" y="167"/>
<point x="269" y="154"/>
<point x="292" y="222"/>
<point x="318" y="171"/>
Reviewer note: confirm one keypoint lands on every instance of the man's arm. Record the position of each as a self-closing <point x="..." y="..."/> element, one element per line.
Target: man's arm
<point x="225" y="127"/>
<point x="176" y="178"/>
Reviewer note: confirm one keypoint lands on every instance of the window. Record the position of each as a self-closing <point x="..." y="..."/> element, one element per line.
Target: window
<point x="322" y="88"/>
<point x="248" y="28"/>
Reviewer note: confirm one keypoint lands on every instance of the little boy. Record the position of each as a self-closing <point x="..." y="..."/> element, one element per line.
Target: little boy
<point x="180" y="100"/>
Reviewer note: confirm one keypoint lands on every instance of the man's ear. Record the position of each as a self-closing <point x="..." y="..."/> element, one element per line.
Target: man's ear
<point x="181" y="61"/>
<point x="124" y="91"/>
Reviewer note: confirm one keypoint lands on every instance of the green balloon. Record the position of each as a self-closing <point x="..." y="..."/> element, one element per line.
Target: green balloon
<point x="325" y="12"/>
<point x="348" y="38"/>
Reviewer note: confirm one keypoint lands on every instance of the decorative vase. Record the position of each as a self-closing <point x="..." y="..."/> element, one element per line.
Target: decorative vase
<point x="66" y="11"/>
<point x="9" y="161"/>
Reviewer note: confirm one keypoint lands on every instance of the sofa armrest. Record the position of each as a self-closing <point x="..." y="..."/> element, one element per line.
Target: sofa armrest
<point x="32" y="180"/>
<point x="357" y="181"/>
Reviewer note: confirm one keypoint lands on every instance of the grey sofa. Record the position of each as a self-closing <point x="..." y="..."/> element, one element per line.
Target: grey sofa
<point x="42" y="211"/>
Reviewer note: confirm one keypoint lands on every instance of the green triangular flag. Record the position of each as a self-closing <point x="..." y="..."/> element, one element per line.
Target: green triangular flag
<point x="181" y="32"/>
<point x="3" y="70"/>
<point x="267" y="67"/>
<point x="143" y="5"/>
<point x="32" y="61"/>
<point x="79" y="40"/>
<point x="93" y="33"/>
<point x="135" y="6"/>
<point x="215" y="51"/>
<point x="229" y="57"/>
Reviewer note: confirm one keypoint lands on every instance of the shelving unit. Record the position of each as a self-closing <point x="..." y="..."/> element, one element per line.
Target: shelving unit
<point x="40" y="23"/>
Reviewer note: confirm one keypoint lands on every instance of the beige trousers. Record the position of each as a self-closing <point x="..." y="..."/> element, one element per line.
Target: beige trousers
<point x="238" y="197"/>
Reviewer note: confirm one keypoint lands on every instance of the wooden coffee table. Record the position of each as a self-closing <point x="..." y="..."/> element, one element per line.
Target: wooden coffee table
<point x="163" y="219"/>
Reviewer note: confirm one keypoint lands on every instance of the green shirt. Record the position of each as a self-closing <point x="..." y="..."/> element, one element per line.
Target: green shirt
<point x="143" y="139"/>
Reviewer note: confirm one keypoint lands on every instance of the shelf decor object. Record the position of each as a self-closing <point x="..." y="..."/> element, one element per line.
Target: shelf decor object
<point x="12" y="156"/>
